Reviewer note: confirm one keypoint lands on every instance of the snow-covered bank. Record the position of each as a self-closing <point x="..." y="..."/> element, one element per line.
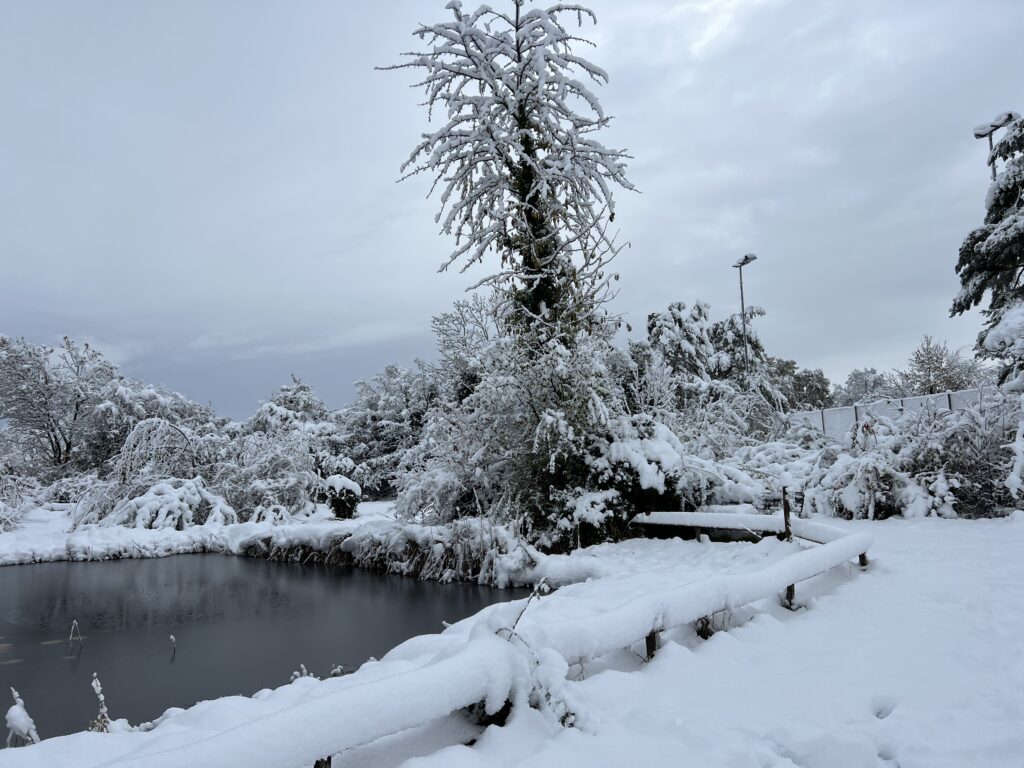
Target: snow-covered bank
<point x="46" y="535"/>
<point x="470" y="549"/>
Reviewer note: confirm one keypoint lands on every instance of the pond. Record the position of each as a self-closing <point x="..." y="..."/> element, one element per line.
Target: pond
<point x="239" y="624"/>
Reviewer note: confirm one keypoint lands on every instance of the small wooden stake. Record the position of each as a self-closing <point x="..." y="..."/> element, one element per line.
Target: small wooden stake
<point x="786" y="514"/>
<point x="651" y="641"/>
<point x="790" y="596"/>
<point x="864" y="560"/>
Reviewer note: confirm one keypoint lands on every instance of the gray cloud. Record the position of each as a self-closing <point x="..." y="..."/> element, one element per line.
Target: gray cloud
<point x="208" y="190"/>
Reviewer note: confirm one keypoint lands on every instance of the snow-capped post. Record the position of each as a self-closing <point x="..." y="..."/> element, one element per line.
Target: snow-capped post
<point x="75" y="631"/>
<point x="788" y="536"/>
<point x="174" y="647"/>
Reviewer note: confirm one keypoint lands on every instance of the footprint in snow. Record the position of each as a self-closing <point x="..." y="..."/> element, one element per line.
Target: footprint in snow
<point x="883" y="706"/>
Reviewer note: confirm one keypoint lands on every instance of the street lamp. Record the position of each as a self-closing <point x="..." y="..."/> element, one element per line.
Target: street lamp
<point x="987" y="129"/>
<point x="747" y="258"/>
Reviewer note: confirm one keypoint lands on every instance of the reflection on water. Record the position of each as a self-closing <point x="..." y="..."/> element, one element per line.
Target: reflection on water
<point x="239" y="625"/>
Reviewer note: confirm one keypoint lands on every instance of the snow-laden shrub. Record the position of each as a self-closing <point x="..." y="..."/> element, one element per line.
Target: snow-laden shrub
<point x="384" y="421"/>
<point x="278" y="465"/>
<point x="520" y="440"/>
<point x="70" y="489"/>
<point x="289" y="457"/>
<point x="644" y="466"/>
<point x="21" y="729"/>
<point x="471" y="549"/>
<point x="918" y="463"/>
<point x="18" y="494"/>
<point x="169" y="503"/>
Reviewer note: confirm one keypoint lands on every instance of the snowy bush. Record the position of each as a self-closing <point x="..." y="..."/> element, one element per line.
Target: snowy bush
<point x="18" y="494"/>
<point x="279" y="464"/>
<point x="384" y="421"/>
<point x="288" y="458"/>
<point x="520" y="441"/>
<point x="21" y="729"/>
<point x="169" y="503"/>
<point x="928" y="462"/>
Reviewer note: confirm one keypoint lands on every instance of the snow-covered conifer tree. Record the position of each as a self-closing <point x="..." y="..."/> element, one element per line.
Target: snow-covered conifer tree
<point x="992" y="256"/>
<point x="933" y="368"/>
<point x="811" y="390"/>
<point x="383" y="421"/>
<point x="683" y="336"/>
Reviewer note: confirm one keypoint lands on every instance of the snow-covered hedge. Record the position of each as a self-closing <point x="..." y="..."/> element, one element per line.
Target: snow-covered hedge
<point x="916" y="464"/>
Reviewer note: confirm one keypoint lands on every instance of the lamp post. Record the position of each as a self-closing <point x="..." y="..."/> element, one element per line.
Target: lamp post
<point x="987" y="129"/>
<point x="747" y="258"/>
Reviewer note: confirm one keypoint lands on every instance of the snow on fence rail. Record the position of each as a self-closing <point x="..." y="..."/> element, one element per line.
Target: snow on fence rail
<point x="502" y="655"/>
<point x="836" y="422"/>
<point x="483" y="670"/>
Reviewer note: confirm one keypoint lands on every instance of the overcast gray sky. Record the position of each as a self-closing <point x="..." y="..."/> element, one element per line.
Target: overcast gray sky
<point x="207" y="190"/>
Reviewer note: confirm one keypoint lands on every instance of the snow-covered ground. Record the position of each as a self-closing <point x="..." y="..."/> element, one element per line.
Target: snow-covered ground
<point x="916" y="662"/>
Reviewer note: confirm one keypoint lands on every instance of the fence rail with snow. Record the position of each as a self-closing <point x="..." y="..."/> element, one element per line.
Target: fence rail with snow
<point x="505" y="655"/>
<point x="836" y="422"/>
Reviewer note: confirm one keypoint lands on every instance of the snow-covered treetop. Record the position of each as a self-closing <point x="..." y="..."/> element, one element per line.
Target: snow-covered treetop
<point x="515" y="161"/>
<point x="292" y="407"/>
<point x="992" y="256"/>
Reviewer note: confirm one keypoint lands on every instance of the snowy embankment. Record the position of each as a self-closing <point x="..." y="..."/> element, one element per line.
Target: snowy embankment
<point x="374" y="539"/>
<point x="46" y="534"/>
<point x="469" y="549"/>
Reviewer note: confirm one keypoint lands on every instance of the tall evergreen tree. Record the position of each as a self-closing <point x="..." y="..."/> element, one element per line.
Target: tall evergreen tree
<point x="811" y="390"/>
<point x="992" y="256"/>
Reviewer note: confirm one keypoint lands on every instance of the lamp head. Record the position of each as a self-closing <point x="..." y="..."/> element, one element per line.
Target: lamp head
<point x="747" y="258"/>
<point x="1001" y="121"/>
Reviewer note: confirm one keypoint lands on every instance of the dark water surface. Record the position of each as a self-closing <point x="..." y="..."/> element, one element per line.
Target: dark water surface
<point x="240" y="625"/>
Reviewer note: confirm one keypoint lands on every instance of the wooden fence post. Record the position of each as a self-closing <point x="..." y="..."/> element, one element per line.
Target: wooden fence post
<point x="786" y="513"/>
<point x="651" y="642"/>
<point x="863" y="560"/>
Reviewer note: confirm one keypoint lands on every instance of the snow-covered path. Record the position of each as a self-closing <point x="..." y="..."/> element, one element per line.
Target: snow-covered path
<point x="917" y="663"/>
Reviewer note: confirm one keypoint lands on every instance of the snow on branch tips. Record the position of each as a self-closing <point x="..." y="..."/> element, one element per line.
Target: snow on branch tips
<point x="518" y="169"/>
<point x="21" y="729"/>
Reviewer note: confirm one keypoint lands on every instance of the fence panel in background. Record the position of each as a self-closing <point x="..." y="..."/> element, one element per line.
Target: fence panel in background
<point x="836" y="422"/>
